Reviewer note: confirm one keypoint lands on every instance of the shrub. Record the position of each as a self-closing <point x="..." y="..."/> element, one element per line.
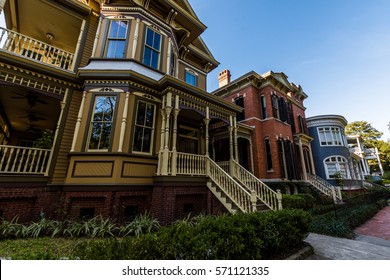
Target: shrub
<point x="260" y="235"/>
<point x="298" y="201"/>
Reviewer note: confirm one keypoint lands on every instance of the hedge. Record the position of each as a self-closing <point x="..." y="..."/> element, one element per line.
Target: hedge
<point x="260" y="235"/>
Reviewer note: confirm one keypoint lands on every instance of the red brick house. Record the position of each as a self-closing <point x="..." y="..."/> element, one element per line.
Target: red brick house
<point x="279" y="147"/>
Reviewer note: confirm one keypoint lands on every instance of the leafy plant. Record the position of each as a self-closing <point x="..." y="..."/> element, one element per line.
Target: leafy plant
<point x="140" y="225"/>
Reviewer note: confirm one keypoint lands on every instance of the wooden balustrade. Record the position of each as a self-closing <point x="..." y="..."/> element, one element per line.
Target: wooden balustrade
<point x="237" y="194"/>
<point x="324" y="187"/>
<point x="23" y="160"/>
<point x="268" y="196"/>
<point x="36" y="50"/>
<point x="191" y="164"/>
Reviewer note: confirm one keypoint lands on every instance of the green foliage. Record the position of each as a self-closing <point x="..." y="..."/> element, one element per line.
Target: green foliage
<point x="46" y="140"/>
<point x="141" y="224"/>
<point x="365" y="130"/>
<point x="298" y="201"/>
<point x="260" y="235"/>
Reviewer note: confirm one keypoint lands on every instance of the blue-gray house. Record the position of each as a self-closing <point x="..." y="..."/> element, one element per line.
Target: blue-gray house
<point x="330" y="148"/>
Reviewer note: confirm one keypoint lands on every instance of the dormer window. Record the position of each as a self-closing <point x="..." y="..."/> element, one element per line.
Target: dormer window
<point x="191" y="78"/>
<point x="152" y="48"/>
<point x="116" y="40"/>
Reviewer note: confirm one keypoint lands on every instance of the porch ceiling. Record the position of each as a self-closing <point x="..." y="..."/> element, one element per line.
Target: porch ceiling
<point x="27" y="110"/>
<point x="38" y="18"/>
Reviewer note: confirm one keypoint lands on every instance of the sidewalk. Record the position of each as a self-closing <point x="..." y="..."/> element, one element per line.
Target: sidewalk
<point x="372" y="242"/>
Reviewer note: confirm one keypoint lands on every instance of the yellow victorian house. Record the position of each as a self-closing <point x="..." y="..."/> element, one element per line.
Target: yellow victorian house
<point x="104" y="110"/>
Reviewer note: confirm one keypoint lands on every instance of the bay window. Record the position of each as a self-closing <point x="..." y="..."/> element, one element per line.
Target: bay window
<point x="144" y="127"/>
<point x="101" y="122"/>
<point x="116" y="40"/>
<point x="152" y="48"/>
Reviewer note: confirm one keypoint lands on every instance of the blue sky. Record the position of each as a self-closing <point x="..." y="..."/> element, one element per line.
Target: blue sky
<point x="337" y="50"/>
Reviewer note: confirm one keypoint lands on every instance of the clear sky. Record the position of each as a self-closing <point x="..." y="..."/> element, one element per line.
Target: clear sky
<point x="337" y="50"/>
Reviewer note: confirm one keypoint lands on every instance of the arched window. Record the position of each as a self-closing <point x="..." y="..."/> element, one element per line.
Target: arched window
<point x="336" y="165"/>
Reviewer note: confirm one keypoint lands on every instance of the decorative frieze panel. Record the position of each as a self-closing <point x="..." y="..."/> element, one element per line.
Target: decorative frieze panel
<point x="18" y="76"/>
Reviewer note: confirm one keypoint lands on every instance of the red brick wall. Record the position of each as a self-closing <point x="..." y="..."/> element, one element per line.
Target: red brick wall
<point x="27" y="201"/>
<point x="166" y="202"/>
<point x="269" y="128"/>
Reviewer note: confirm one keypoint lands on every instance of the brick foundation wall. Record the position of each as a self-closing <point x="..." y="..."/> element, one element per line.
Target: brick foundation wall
<point x="167" y="202"/>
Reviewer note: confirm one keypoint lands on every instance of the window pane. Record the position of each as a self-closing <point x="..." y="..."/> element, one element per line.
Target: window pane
<point x="149" y="115"/>
<point x="149" y="37"/>
<point x="147" y="140"/>
<point x="122" y="29"/>
<point x="157" y="40"/>
<point x="190" y="78"/>
<point x="105" y="136"/>
<point x="114" y="29"/>
<point x="141" y="113"/>
<point x="137" y="145"/>
<point x="95" y="136"/>
<point x="154" y="63"/>
<point x="101" y="124"/>
<point x="144" y="125"/>
<point x="147" y="56"/>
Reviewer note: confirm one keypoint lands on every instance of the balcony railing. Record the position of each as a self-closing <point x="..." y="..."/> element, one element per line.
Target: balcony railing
<point x="19" y="44"/>
<point x="23" y="160"/>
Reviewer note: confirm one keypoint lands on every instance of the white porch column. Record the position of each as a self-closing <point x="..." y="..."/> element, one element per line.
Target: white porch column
<point x="231" y="145"/>
<point x="124" y="121"/>
<point x="251" y="154"/>
<point x="313" y="168"/>
<point x="302" y="159"/>
<point x="379" y="161"/>
<point x="207" y="122"/>
<point x="78" y="121"/>
<point x="168" y="110"/>
<point x="162" y="137"/>
<point x="169" y="53"/>
<point x="135" y="41"/>
<point x="96" y="41"/>
<point x="78" y="46"/>
<point x="176" y="111"/>
<point x="63" y="104"/>
<point x="235" y="139"/>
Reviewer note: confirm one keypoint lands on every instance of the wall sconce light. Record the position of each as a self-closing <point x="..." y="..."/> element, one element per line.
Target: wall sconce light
<point x="49" y="36"/>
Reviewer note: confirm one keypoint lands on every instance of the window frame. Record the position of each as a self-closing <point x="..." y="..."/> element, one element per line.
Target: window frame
<point x="263" y="105"/>
<point x="338" y="162"/>
<point x="240" y="101"/>
<point x="152" y="128"/>
<point x="91" y="121"/>
<point x="152" y="49"/>
<point x="268" y="154"/>
<point x="117" y="39"/>
<point x="193" y="75"/>
<point x="331" y="136"/>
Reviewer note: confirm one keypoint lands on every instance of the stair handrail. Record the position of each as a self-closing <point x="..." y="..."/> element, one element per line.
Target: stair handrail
<point x="325" y="187"/>
<point x="267" y="195"/>
<point x="241" y="197"/>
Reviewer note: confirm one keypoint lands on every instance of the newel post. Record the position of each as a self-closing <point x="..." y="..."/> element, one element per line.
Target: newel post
<point x="279" y="198"/>
<point x="254" y="200"/>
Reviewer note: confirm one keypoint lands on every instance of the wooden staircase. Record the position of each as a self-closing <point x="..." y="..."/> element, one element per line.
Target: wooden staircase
<point x="236" y="188"/>
<point x="263" y="197"/>
<point x="325" y="188"/>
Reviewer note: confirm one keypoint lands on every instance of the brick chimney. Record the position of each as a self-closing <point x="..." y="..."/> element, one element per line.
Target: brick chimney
<point x="224" y="77"/>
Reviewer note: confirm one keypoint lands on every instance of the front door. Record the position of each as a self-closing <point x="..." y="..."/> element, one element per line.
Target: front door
<point x="188" y="140"/>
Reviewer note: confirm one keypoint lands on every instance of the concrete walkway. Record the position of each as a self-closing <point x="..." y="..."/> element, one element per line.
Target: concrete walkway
<point x="372" y="242"/>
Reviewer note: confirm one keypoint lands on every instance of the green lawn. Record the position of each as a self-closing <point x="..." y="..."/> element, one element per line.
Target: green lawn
<point x="40" y="248"/>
